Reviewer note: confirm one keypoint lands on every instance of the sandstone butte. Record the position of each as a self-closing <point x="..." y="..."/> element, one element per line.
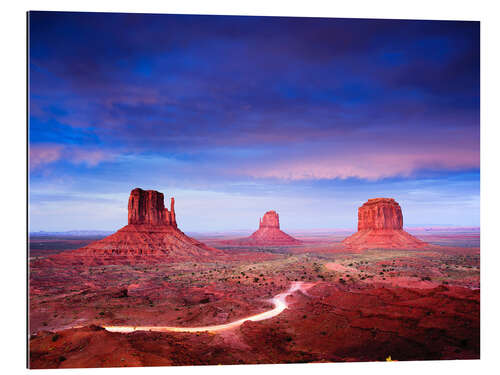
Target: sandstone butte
<point x="151" y="233"/>
<point x="380" y="226"/>
<point x="269" y="233"/>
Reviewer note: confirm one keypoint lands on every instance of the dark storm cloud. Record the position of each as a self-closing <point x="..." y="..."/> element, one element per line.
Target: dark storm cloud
<point x="149" y="80"/>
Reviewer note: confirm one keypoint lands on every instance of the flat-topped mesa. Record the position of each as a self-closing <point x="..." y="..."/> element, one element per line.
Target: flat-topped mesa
<point x="380" y="226"/>
<point x="271" y="219"/>
<point x="148" y="207"/>
<point x="380" y="213"/>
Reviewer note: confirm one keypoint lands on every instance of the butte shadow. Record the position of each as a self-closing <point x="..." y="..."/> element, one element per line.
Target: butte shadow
<point x="380" y="226"/>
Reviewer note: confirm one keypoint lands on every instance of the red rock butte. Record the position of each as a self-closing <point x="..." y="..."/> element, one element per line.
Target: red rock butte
<point x="151" y="234"/>
<point x="380" y="226"/>
<point x="147" y="207"/>
<point x="269" y="233"/>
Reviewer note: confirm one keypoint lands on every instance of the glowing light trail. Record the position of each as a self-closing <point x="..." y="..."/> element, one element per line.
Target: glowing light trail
<point x="279" y="306"/>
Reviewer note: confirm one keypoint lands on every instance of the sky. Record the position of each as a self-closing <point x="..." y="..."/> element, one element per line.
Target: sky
<point x="235" y="116"/>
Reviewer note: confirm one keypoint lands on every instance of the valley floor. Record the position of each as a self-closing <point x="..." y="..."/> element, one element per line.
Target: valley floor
<point x="366" y="306"/>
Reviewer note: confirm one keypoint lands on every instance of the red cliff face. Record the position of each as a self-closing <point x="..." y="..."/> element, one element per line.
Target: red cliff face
<point x="270" y="220"/>
<point x="147" y="207"/>
<point x="380" y="226"/>
<point x="151" y="235"/>
<point x="380" y="213"/>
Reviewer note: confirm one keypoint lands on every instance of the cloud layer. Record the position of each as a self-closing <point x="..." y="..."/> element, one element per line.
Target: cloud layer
<point x="42" y="155"/>
<point x="241" y="103"/>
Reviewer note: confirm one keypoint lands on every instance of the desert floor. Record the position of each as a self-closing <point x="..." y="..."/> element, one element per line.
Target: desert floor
<point x="358" y="306"/>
